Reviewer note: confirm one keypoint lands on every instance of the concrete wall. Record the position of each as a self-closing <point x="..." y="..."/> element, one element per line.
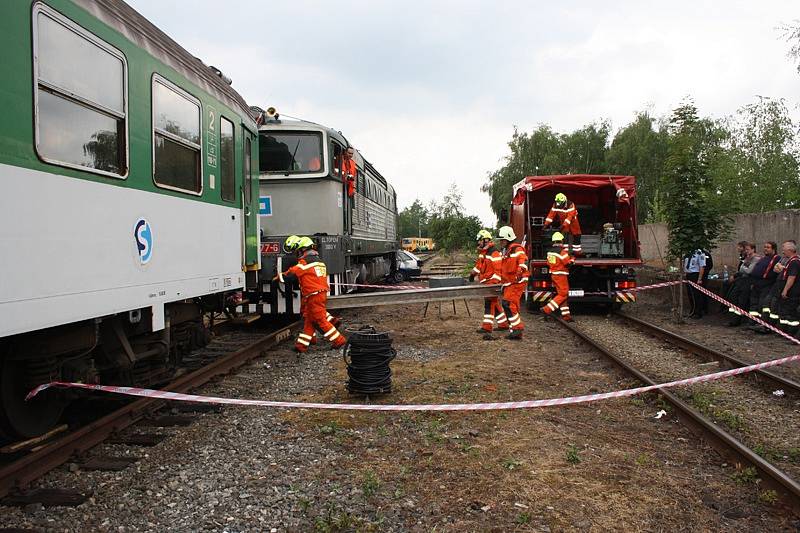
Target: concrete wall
<point x="755" y="227"/>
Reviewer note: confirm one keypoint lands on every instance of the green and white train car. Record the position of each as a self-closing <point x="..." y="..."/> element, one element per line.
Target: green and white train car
<point x="129" y="204"/>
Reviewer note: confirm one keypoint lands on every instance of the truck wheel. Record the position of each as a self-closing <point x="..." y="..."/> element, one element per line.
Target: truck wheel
<point x="398" y="277"/>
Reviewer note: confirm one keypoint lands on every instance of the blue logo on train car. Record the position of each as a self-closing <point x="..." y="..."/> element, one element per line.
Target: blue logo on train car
<point x="265" y="206"/>
<point x="143" y="235"/>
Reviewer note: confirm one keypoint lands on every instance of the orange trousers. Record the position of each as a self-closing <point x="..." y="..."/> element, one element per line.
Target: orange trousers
<point x="315" y="316"/>
<point x="493" y="311"/>
<point x="511" y="297"/>
<point x="559" y="301"/>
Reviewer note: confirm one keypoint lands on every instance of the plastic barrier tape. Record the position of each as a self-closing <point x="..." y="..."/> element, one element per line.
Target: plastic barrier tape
<point x="527" y="404"/>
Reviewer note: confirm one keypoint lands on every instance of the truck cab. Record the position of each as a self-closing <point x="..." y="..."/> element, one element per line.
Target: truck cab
<point x="606" y="204"/>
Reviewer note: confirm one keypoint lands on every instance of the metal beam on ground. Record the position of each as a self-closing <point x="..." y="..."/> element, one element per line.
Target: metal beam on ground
<point x="440" y="294"/>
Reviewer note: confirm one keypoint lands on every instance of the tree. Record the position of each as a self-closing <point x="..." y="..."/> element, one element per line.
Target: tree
<point x="693" y="221"/>
<point x="413" y="220"/>
<point x="791" y="33"/>
<point x="640" y="149"/>
<point x="543" y="152"/>
<point x="449" y="227"/>
<point x="760" y="172"/>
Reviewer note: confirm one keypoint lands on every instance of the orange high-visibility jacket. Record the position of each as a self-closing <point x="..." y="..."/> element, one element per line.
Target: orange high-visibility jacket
<point x="559" y="262"/>
<point x="349" y="172"/>
<point x="311" y="273"/>
<point x="568" y="217"/>
<point x="487" y="266"/>
<point x="515" y="265"/>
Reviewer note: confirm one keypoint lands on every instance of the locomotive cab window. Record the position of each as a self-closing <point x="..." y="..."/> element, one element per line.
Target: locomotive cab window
<point x="80" y="97"/>
<point x="226" y="159"/>
<point x="286" y="153"/>
<point x="176" y="138"/>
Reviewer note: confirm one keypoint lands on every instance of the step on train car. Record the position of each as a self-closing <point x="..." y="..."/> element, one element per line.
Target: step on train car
<point x="606" y="205"/>
<point x="129" y="203"/>
<point x="301" y="192"/>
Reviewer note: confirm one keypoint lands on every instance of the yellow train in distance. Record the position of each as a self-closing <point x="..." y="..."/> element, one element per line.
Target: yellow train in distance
<point x="418" y="244"/>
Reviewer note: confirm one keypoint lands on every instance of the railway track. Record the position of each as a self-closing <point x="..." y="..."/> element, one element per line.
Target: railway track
<point x="766" y="375"/>
<point x="787" y="488"/>
<point x="18" y="474"/>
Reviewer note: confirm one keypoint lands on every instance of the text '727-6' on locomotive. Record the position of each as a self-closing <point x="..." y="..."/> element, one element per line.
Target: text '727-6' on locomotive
<point x="609" y="246"/>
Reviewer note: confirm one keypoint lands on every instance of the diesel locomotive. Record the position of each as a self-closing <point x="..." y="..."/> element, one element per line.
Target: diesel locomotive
<point x="302" y="192"/>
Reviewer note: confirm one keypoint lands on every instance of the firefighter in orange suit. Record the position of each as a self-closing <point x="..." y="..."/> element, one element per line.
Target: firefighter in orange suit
<point x="514" y="273"/>
<point x="349" y="171"/>
<point x="312" y="276"/>
<point x="566" y="212"/>
<point x="559" y="262"/>
<point x="487" y="269"/>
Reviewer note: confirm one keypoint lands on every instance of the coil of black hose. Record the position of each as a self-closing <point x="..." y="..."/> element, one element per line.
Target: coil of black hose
<point x="367" y="355"/>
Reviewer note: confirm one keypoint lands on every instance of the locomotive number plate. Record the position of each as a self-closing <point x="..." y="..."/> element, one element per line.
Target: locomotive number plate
<point x="270" y="248"/>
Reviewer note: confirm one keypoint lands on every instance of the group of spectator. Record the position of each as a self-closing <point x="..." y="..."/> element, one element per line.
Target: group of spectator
<point x="764" y="285"/>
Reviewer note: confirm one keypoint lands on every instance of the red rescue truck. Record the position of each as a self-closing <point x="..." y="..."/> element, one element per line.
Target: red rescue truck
<point x="606" y="205"/>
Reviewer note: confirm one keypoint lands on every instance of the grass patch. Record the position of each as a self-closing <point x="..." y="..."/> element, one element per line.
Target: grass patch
<point x="335" y="520"/>
<point x="511" y="464"/>
<point x="769" y="497"/>
<point x="745" y="476"/>
<point x="573" y="455"/>
<point x="370" y="484"/>
<point x="704" y="402"/>
<point x="523" y="518"/>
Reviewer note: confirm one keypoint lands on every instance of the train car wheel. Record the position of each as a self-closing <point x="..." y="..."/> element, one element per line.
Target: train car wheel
<point x="20" y="419"/>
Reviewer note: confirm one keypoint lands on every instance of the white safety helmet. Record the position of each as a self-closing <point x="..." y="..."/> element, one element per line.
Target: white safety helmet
<point x="506" y="233"/>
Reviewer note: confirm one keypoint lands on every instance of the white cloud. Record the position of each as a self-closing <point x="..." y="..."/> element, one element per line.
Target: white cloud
<point x="429" y="91"/>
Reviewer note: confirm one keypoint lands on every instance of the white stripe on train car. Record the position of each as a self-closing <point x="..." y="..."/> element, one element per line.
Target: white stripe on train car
<point x="99" y="269"/>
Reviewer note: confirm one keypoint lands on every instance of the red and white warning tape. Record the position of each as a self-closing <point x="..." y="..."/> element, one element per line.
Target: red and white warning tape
<point x="747" y="314"/>
<point x="527" y="404"/>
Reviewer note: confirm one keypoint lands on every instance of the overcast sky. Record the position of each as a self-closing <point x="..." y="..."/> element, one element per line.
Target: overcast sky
<point x="429" y="91"/>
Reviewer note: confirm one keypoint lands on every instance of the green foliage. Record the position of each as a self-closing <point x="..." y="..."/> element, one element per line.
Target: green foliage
<point x="745" y="476"/>
<point x="747" y="162"/>
<point x="413" y="220"/>
<point x="694" y="221"/>
<point x="640" y="149"/>
<point x="573" y="455"/>
<point x="449" y="227"/>
<point x="547" y="152"/>
<point x="762" y="159"/>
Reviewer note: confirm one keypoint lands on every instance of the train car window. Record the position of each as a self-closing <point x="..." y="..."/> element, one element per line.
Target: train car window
<point x="290" y="152"/>
<point x="176" y="138"/>
<point x="248" y="171"/>
<point x="226" y="157"/>
<point x="80" y="94"/>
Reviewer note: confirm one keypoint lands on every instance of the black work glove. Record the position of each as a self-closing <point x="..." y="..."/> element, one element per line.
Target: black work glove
<point x="472" y="277"/>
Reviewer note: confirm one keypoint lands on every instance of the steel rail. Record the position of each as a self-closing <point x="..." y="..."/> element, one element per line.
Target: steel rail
<point x="725" y="443"/>
<point x="711" y="353"/>
<point x="22" y="472"/>
<point x="438" y="294"/>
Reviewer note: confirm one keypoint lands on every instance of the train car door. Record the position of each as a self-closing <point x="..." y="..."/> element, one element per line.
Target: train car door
<point x="251" y="255"/>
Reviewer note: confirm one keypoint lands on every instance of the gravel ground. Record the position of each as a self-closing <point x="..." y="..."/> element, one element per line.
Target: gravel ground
<point x="711" y="330"/>
<point x="597" y="467"/>
<point x="763" y="421"/>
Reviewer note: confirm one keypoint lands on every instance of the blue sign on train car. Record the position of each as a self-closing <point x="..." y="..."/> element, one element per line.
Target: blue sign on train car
<point x="265" y="206"/>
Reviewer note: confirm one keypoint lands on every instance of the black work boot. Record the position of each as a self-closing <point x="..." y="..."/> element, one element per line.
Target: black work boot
<point x="515" y="335"/>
